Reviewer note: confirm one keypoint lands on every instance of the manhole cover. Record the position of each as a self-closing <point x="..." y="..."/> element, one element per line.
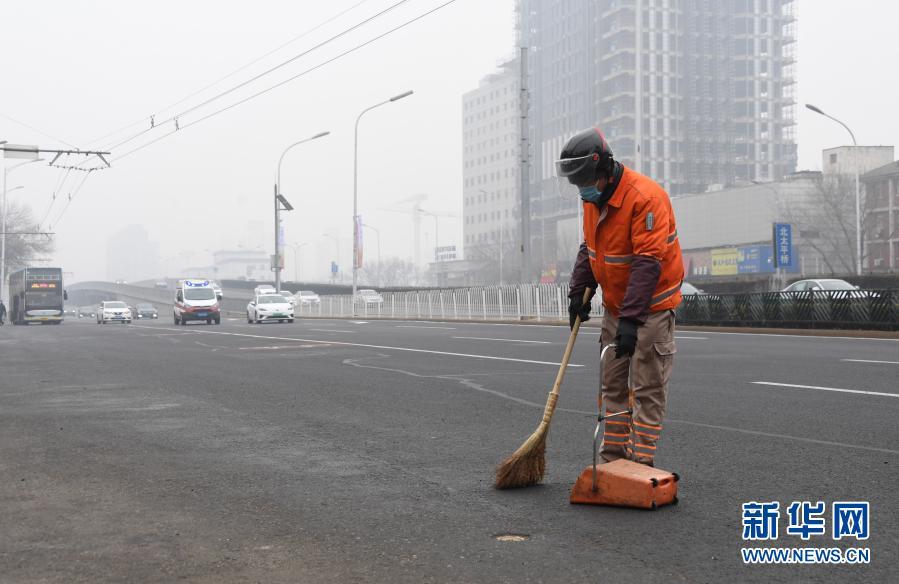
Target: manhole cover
<point x="512" y="537"/>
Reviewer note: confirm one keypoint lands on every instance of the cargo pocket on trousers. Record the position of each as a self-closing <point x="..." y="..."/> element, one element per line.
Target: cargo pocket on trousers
<point x="664" y="355"/>
<point x="664" y="348"/>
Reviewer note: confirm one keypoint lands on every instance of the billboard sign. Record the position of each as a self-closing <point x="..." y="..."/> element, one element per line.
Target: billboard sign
<point x="724" y="261"/>
<point x="783" y="245"/>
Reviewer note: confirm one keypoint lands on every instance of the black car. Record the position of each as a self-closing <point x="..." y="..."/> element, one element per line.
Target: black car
<point x="145" y="311"/>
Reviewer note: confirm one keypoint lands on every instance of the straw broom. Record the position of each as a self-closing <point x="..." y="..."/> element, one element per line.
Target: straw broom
<point x="527" y="465"/>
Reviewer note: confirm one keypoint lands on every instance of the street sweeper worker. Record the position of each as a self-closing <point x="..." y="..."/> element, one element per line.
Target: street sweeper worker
<point x="630" y="249"/>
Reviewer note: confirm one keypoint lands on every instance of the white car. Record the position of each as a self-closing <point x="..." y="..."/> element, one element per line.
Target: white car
<point x="268" y="307"/>
<point x="113" y="311"/>
<point x="826" y="285"/>
<point x="264" y="289"/>
<point x="369" y="297"/>
<point x="306" y="298"/>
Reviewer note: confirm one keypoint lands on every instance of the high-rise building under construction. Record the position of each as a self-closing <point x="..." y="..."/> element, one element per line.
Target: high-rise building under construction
<point x="696" y="94"/>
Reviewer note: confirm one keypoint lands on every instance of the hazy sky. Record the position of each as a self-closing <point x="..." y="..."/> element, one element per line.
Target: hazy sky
<point x="78" y="71"/>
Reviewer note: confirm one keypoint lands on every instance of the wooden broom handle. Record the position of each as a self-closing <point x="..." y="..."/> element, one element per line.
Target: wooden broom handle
<point x="588" y="294"/>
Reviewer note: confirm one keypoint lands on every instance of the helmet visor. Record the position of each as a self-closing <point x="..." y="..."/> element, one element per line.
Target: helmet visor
<point x="574" y="173"/>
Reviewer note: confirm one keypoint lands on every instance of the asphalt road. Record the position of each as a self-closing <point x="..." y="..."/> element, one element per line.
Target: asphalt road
<point x="333" y="450"/>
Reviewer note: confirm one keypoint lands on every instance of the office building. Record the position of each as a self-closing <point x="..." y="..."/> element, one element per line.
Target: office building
<point x="698" y="94"/>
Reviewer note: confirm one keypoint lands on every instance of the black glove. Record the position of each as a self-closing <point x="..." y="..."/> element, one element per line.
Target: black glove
<point x="626" y="338"/>
<point x="577" y="308"/>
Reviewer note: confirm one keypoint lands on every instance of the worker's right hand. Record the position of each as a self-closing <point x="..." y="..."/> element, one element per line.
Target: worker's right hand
<point x="576" y="307"/>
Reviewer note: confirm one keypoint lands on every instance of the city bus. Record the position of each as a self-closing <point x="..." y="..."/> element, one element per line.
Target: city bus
<point x="36" y="295"/>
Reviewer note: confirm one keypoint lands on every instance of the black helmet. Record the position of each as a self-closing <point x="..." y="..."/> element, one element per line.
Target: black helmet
<point x="585" y="158"/>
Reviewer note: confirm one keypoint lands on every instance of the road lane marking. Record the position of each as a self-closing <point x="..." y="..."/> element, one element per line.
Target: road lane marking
<point x="562" y="323"/>
<point x="366" y="346"/>
<point x="445" y="328"/>
<point x="678" y="337"/>
<point x="870" y="361"/>
<point x="279" y="347"/>
<point x="330" y="331"/>
<point x="506" y="340"/>
<point x="837" y="389"/>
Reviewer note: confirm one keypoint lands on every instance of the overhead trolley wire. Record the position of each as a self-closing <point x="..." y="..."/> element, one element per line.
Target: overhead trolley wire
<point x="72" y="196"/>
<point x="285" y="81"/>
<point x="151" y="120"/>
<point x="30" y="127"/>
<point x="59" y="184"/>
<point x="174" y="117"/>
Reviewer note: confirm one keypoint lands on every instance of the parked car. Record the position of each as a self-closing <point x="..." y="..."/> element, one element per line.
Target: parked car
<point x="688" y="289"/>
<point x="828" y="285"/>
<point x="268" y="307"/>
<point x="146" y="311"/>
<point x="264" y="289"/>
<point x="113" y="311"/>
<point x="368" y="297"/>
<point x="306" y="298"/>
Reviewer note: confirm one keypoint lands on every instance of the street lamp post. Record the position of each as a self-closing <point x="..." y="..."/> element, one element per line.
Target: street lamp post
<point x="858" y="204"/>
<point x="4" y="209"/>
<point x="279" y="201"/>
<point x="378" y="234"/>
<point x="356" y="184"/>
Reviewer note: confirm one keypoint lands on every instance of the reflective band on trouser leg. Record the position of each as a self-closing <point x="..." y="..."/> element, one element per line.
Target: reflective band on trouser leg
<point x="645" y="439"/>
<point x="617" y="429"/>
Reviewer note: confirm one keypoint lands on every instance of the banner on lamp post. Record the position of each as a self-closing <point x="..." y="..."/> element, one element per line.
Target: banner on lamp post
<point x="357" y="261"/>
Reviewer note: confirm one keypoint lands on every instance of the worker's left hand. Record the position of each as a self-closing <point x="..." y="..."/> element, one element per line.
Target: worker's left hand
<point x="626" y="338"/>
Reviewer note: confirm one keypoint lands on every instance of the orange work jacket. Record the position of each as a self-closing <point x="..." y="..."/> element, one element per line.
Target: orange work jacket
<point x="637" y="221"/>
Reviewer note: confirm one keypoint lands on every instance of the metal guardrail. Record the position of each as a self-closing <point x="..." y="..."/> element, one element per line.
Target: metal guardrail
<point x="863" y="309"/>
<point x="540" y="302"/>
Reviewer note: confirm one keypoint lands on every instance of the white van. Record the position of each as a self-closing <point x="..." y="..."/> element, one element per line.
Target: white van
<point x="196" y="300"/>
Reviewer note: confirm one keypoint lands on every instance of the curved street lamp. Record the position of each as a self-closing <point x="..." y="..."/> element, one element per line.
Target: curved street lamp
<point x="281" y="201"/>
<point x="356" y="228"/>
<point x="858" y="204"/>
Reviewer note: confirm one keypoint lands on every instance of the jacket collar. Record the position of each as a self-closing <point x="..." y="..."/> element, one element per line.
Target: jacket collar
<point x="622" y="177"/>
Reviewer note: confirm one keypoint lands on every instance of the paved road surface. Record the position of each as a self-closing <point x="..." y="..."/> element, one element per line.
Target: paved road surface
<point x="328" y="451"/>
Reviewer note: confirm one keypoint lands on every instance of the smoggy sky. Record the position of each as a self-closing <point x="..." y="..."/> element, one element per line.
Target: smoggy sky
<point x="80" y="70"/>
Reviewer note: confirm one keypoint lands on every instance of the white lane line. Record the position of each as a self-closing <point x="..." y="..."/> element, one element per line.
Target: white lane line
<point x="279" y="347"/>
<point x="870" y="361"/>
<point x="330" y="331"/>
<point x="507" y="340"/>
<point x="445" y="328"/>
<point x="837" y="389"/>
<point x="562" y="324"/>
<point x="800" y="336"/>
<point x="366" y="346"/>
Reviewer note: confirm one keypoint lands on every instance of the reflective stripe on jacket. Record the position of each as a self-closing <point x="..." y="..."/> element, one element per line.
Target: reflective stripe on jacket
<point x="637" y="221"/>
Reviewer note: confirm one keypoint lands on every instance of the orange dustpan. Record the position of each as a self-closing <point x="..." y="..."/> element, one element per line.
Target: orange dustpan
<point x="623" y="483"/>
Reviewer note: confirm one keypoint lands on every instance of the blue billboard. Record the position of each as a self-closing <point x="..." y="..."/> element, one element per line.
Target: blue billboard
<point x="758" y="259"/>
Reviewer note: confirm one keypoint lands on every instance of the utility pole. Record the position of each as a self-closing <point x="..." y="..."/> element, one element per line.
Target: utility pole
<point x="276" y="262"/>
<point x="279" y="201"/>
<point x="524" y="194"/>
